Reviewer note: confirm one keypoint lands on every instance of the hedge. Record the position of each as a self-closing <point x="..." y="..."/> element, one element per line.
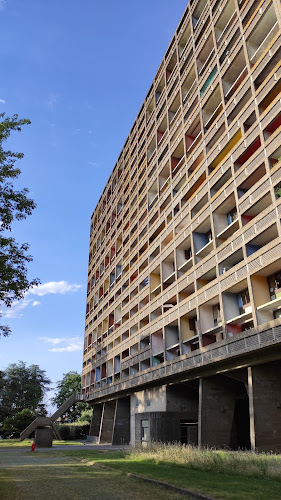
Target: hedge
<point x="73" y="431"/>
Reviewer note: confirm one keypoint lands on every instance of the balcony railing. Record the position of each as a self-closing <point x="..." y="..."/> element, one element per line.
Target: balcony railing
<point x="227" y="349"/>
<point x="261" y="47"/>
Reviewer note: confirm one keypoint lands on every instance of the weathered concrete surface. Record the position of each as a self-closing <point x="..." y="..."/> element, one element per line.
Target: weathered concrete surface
<point x="266" y="391"/>
<point x="217" y="401"/>
<point x="121" y="433"/>
<point x="107" y="422"/>
<point x="44" y="438"/>
<point x="96" y="421"/>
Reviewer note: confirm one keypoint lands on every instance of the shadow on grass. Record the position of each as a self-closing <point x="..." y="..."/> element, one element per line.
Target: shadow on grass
<point x="73" y="480"/>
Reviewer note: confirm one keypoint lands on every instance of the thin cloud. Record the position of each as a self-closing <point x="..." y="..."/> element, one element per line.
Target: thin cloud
<point x="60" y="287"/>
<point x="68" y="344"/>
<point x="52" y="99"/>
<point x="15" y="311"/>
<point x="3" y="4"/>
<point x="52" y="287"/>
<point x="76" y="131"/>
<point x="92" y="163"/>
<point x="2" y="101"/>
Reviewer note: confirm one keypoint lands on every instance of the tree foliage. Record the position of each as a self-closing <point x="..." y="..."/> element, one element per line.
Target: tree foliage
<point x="14" y="205"/>
<point x="70" y="383"/>
<point x="22" y="387"/>
<point x="86" y="416"/>
<point x="13" y="426"/>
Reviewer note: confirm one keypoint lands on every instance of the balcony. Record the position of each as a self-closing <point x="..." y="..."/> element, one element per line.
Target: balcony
<point x="155" y="282"/>
<point x="151" y="150"/>
<point x="152" y="195"/>
<point x="251" y="180"/>
<point x="177" y="158"/>
<point x="226" y="219"/>
<point x="174" y="110"/>
<point x="237" y="310"/>
<point x="188" y="332"/>
<point x="160" y="89"/>
<point x="208" y="80"/>
<point x="168" y="271"/>
<point x="189" y="85"/>
<point x="184" y="257"/>
<point x="272" y="305"/>
<point x="225" y="21"/>
<point x="203" y="239"/>
<point x="172" y="341"/>
<point x="150" y="109"/>
<point x="162" y="131"/>
<point x="234" y="75"/>
<point x="197" y="13"/>
<point x="206" y="278"/>
<point x="185" y="38"/>
<point x="164" y="178"/>
<point x="212" y="109"/>
<point x="258" y="41"/>
<point x="232" y="260"/>
<point x="171" y="67"/>
<point x="261" y="240"/>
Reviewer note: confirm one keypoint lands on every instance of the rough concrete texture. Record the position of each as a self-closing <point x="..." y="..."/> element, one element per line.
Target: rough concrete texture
<point x="44" y="438"/>
<point x="216" y="411"/>
<point x="121" y="434"/>
<point x="267" y="406"/>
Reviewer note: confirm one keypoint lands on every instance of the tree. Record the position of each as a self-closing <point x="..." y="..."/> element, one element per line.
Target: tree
<point x="13" y="426"/>
<point x="86" y="416"/>
<point x="14" y="205"/>
<point x="23" y="387"/>
<point x="70" y="383"/>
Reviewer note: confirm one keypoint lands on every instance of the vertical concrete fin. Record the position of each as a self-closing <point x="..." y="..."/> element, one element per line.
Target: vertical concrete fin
<point x="121" y="428"/>
<point x="251" y="410"/>
<point x="106" y="433"/>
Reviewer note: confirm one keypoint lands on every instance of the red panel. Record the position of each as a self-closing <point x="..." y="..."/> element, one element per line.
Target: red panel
<point x="274" y="125"/>
<point x="189" y="140"/>
<point x="250" y="151"/>
<point x="159" y="135"/>
<point x="234" y="329"/>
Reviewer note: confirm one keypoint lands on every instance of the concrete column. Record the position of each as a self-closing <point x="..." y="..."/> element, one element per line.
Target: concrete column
<point x="251" y="410"/>
<point x="107" y="423"/>
<point x="216" y="411"/>
<point x="96" y="421"/>
<point x="121" y="431"/>
<point x="266" y="402"/>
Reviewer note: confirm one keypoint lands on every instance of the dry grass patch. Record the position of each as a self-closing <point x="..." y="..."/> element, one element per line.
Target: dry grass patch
<point x="231" y="462"/>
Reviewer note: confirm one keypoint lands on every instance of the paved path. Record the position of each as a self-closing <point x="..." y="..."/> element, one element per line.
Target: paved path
<point x="43" y="475"/>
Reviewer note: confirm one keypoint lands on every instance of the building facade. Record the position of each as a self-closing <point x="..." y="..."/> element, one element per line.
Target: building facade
<point x="183" y="320"/>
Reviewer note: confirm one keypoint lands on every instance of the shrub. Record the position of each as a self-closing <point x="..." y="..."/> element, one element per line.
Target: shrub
<point x="13" y="426"/>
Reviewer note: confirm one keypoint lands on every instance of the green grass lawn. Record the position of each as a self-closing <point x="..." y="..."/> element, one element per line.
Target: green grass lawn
<point x="219" y="474"/>
<point x="220" y="485"/>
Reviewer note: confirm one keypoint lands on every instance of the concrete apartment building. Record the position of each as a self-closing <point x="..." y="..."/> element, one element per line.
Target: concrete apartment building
<point x="183" y="321"/>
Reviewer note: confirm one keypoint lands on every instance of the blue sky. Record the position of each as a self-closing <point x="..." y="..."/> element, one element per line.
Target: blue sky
<point x="80" y="72"/>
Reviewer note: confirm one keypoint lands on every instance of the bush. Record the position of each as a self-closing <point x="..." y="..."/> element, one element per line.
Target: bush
<point x="86" y="416"/>
<point x="73" y="431"/>
<point x="13" y="426"/>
